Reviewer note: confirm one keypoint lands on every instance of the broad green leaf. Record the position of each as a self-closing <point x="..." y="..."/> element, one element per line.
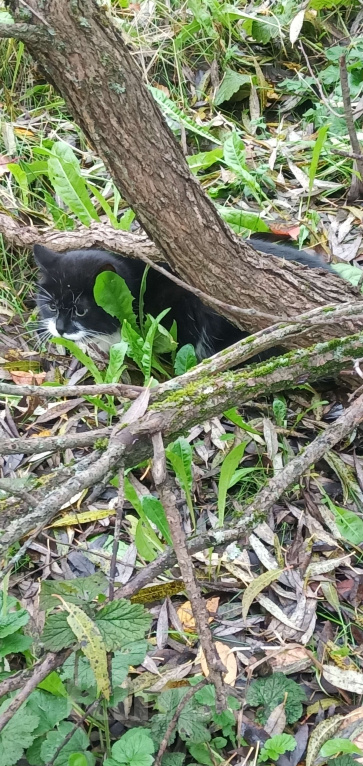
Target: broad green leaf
<point x="350" y="525"/>
<point x="135" y="343"/>
<point x="12" y="621"/>
<point x="91" y="644"/>
<point x="256" y="586"/>
<point x="132" y="653"/>
<point x="116" y="364"/>
<point x="49" y="709"/>
<point x="21" y="177"/>
<point x="276" y="746"/>
<point x="202" y="754"/>
<point x="267" y="693"/>
<point x="155" y="512"/>
<point x="121" y="622"/>
<point x="228" y="468"/>
<point x="241" y="221"/>
<point x="135" y="748"/>
<point x="148" y="345"/>
<point x="113" y="295"/>
<point x="338" y="745"/>
<point x="14" y="643"/>
<point x="65" y="176"/>
<point x="234" y="416"/>
<point x="232" y="83"/>
<point x="171" y="110"/>
<point x="318" y="145"/>
<point x="145" y="541"/>
<point x="234" y="152"/>
<point x="191" y="722"/>
<point x="204" y="160"/>
<point x="185" y="359"/>
<point x="57" y="634"/>
<point x="17" y="735"/>
<point x="5" y="17"/>
<point x="164" y="343"/>
<point x="77" y="759"/>
<point x="78" y="743"/>
<point x="54" y="685"/>
<point x="85" y="360"/>
<point x="78" y="591"/>
<point x="352" y="274"/>
<point x="126" y="220"/>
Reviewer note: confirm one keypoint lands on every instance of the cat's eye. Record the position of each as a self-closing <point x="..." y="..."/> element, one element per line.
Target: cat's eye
<point x="52" y="307"/>
<point x="81" y="312"/>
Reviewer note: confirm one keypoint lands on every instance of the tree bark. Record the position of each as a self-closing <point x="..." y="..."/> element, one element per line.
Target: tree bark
<point x="85" y="57"/>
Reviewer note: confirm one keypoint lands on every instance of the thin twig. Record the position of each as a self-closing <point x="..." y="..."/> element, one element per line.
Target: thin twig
<point x="32" y="678"/>
<point x="318" y="83"/>
<point x="117" y="531"/>
<point x="167" y="495"/>
<point x="123" y="390"/>
<point x="89" y="710"/>
<point x="183" y="702"/>
<point x="34" y="444"/>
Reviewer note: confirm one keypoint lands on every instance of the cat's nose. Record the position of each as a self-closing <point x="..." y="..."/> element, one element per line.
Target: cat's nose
<point x="60" y="325"/>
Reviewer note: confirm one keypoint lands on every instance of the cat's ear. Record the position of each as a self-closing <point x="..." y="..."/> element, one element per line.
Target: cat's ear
<point x="44" y="257"/>
<point x="105" y="267"/>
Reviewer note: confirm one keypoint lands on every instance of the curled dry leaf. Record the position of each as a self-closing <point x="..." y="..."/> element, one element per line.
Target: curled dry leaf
<point x="229" y="661"/>
<point x="348" y="680"/>
<point x="256" y="586"/>
<point x="276" y="721"/>
<point x="26" y="377"/>
<point x="291" y="661"/>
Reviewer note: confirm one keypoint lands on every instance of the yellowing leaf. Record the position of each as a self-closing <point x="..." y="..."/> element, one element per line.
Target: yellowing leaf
<point x="229" y="661"/>
<point x="256" y="586"/>
<point x="185" y="613"/>
<point x="91" y="644"/>
<point x="82" y="518"/>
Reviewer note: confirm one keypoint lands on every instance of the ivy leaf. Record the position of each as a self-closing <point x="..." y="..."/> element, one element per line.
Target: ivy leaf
<point x="276" y="746"/>
<point x="17" y="735"/>
<point x="57" y="634"/>
<point x="78" y="743"/>
<point x="269" y="692"/>
<point x="135" y="748"/>
<point x="185" y="359"/>
<point x="120" y="621"/>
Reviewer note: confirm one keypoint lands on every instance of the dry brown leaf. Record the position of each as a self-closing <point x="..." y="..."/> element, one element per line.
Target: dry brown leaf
<point x="185" y="613"/>
<point x="349" y="680"/>
<point x="276" y="721"/>
<point x="229" y="661"/>
<point x="291" y="660"/>
<point x="27" y="378"/>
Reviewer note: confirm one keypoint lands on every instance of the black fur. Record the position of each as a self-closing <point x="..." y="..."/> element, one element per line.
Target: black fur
<point x="67" y="306"/>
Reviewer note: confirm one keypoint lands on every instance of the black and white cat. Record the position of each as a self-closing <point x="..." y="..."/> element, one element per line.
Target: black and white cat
<point x="67" y="307"/>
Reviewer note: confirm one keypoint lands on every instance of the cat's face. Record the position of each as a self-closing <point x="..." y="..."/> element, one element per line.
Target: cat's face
<point x="65" y="297"/>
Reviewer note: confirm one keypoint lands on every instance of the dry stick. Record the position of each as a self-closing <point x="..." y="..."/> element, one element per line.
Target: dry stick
<point x="49" y="392"/>
<point x="263" y="501"/>
<point x="89" y="710"/>
<point x="349" y="115"/>
<point x="21" y="493"/>
<point x="183" y="702"/>
<point x="181" y="410"/>
<point x="318" y="83"/>
<point x="34" y="444"/>
<point x="349" y="155"/>
<point x="39" y="672"/>
<point x="168" y="499"/>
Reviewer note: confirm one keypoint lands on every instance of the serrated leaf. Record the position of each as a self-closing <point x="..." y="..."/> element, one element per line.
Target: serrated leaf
<point x="57" y="634"/>
<point x="269" y="692"/>
<point x="323" y="731"/>
<point x="15" y="643"/>
<point x="121" y="622"/>
<point x="135" y="748"/>
<point x="49" y="709"/>
<point x="17" y="735"/>
<point x="112" y="294"/>
<point x="77" y="591"/>
<point x="185" y="359"/>
<point x="65" y="176"/>
<point x="256" y="586"/>
<point x="231" y="84"/>
<point x="78" y="743"/>
<point x="276" y="746"/>
<point x="91" y="644"/>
